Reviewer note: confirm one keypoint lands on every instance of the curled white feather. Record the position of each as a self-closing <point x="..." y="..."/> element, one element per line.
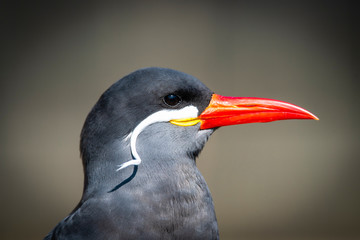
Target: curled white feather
<point x="161" y="116"/>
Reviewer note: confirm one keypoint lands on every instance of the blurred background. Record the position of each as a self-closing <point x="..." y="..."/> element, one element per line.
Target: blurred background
<point x="280" y="180"/>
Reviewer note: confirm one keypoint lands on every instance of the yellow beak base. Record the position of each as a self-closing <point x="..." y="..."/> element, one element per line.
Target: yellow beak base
<point x="186" y="122"/>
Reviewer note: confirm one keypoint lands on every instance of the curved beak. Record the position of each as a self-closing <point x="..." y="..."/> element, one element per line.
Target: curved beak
<point x="224" y="111"/>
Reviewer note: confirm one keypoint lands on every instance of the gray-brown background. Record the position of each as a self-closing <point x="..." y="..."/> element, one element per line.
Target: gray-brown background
<point x="281" y="180"/>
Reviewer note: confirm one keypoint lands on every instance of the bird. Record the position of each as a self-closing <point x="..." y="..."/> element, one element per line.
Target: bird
<point x="139" y="145"/>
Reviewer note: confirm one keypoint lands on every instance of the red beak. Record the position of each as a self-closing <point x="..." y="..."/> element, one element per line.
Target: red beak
<point x="224" y="111"/>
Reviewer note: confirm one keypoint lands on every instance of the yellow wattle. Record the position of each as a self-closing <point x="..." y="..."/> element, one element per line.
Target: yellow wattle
<point x="185" y="122"/>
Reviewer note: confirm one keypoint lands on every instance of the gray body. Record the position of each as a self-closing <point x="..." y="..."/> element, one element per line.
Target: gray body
<point x="165" y="197"/>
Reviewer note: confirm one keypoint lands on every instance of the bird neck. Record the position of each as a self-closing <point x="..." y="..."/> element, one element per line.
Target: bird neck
<point x="100" y="163"/>
<point x="163" y="187"/>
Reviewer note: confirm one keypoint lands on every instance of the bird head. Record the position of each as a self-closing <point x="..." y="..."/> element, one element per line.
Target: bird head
<point x="173" y="111"/>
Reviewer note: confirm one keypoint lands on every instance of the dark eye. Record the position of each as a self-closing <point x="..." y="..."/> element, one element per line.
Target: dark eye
<point x="172" y="100"/>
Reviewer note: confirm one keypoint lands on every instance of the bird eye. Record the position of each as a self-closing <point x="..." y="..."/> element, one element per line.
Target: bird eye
<point x="172" y="100"/>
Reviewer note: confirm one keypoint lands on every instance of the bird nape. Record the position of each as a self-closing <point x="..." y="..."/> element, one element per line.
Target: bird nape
<point x="138" y="146"/>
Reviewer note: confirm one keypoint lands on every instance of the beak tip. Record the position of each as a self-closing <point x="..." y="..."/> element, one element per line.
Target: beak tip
<point x="313" y="116"/>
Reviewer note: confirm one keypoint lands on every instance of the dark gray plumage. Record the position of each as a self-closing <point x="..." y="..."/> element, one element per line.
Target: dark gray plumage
<point x="165" y="197"/>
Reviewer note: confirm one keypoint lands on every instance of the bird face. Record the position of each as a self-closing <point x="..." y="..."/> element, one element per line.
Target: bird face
<point x="143" y="104"/>
<point x="172" y="109"/>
